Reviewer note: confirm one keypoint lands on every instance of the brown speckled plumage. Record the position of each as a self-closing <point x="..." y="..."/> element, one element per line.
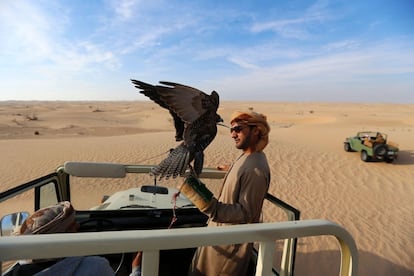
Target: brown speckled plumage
<point x="195" y="120"/>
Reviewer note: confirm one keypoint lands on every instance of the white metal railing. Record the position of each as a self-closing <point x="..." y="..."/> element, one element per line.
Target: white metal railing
<point x="152" y="241"/>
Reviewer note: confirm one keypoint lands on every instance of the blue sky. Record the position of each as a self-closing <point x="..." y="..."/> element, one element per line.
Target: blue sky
<point x="331" y="51"/>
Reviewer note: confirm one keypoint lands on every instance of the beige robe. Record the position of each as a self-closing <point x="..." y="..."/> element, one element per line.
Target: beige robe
<point x="240" y="201"/>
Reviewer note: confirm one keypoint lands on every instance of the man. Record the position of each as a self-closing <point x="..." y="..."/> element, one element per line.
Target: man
<point x="241" y="198"/>
<point x="60" y="218"/>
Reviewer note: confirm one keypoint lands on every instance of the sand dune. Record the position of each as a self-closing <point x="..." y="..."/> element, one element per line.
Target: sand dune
<point x="310" y="169"/>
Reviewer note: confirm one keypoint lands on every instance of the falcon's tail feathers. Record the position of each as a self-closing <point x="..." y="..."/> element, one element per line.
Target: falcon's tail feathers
<point x="174" y="165"/>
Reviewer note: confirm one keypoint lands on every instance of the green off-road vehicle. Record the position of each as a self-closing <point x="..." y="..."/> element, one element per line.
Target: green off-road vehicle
<point x="373" y="146"/>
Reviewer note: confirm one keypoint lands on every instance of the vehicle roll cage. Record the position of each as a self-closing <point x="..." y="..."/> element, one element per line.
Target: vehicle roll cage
<point x="81" y="244"/>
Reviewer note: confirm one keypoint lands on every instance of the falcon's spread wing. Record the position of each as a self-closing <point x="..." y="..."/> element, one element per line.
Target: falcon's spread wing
<point x="193" y="109"/>
<point x="148" y="90"/>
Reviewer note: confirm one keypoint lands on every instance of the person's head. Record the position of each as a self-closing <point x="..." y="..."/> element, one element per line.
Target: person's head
<point x="59" y="218"/>
<point x="249" y="130"/>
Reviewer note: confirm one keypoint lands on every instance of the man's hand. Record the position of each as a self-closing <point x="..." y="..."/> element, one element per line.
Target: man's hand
<point x="223" y="167"/>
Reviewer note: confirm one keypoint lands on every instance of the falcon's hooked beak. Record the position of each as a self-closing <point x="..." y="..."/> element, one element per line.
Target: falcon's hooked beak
<point x="220" y="122"/>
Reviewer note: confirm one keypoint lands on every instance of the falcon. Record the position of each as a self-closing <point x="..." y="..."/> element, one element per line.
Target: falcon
<point x="195" y="120"/>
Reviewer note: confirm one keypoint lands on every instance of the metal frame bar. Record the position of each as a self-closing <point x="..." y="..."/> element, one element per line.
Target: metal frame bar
<point x="108" y="170"/>
<point x="152" y="241"/>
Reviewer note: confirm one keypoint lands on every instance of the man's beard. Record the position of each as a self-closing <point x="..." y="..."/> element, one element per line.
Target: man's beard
<point x="245" y="143"/>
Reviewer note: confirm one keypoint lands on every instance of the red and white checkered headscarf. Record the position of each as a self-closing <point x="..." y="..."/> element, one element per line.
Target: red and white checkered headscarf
<point x="59" y="218"/>
<point x="254" y="119"/>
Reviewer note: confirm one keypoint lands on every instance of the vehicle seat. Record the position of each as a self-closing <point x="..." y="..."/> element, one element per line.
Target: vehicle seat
<point x="379" y="139"/>
<point x="368" y="142"/>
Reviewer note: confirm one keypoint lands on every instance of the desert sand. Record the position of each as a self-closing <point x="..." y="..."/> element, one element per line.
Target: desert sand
<point x="310" y="170"/>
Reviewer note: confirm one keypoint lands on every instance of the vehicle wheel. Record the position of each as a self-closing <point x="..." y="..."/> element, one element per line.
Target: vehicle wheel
<point x="380" y="150"/>
<point x="347" y="147"/>
<point x="364" y="156"/>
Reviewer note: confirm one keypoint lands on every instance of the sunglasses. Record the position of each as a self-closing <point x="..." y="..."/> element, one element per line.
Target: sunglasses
<point x="236" y="129"/>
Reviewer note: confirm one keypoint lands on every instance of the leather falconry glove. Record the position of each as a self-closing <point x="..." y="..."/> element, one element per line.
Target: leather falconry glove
<point x="197" y="193"/>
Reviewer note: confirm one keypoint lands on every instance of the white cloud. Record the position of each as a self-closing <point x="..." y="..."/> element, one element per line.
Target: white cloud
<point x="85" y="56"/>
<point x="341" y="76"/>
<point x="341" y="45"/>
<point x="124" y="8"/>
<point x="188" y="43"/>
<point x="144" y="40"/>
<point x="36" y="38"/>
<point x="242" y="63"/>
<point x="25" y="31"/>
<point x="291" y="28"/>
<point x="296" y="27"/>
